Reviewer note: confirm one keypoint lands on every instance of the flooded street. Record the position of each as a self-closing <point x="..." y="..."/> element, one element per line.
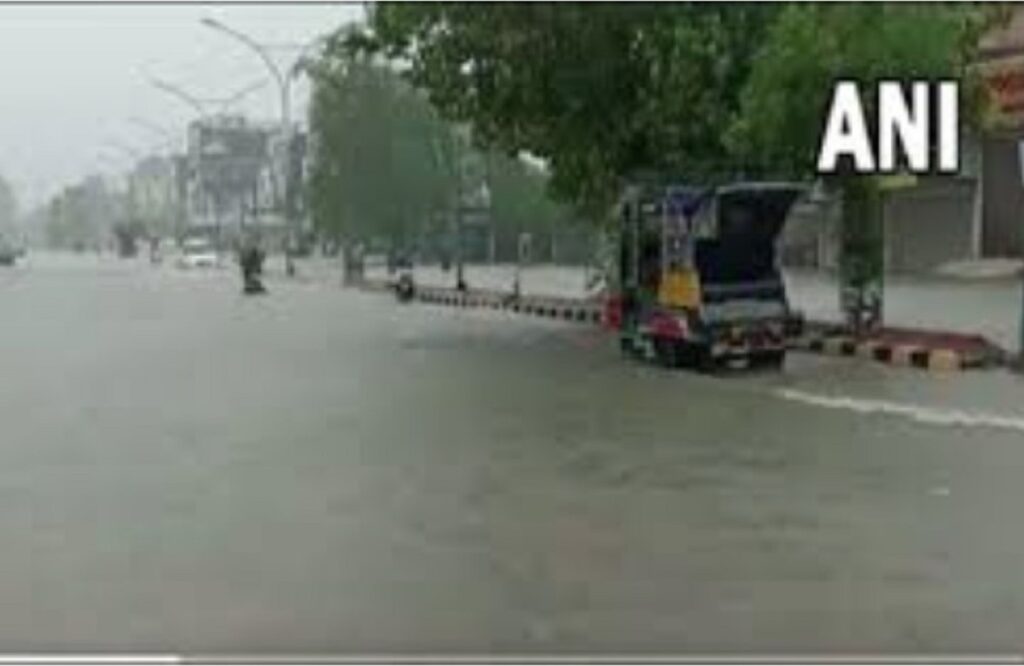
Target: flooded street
<point x="183" y="469"/>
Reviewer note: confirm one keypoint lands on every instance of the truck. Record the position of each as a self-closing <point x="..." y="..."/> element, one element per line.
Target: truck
<point x="699" y="283"/>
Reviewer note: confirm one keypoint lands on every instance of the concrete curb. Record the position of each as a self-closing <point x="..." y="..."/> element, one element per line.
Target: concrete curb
<point x="901" y="355"/>
<point x="538" y="306"/>
<point x="820" y="340"/>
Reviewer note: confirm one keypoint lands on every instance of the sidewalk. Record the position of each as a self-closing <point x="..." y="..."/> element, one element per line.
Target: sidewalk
<point x="990" y="308"/>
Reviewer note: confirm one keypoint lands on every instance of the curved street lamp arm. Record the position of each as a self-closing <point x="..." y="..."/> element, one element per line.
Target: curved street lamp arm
<point x="228" y="101"/>
<point x="301" y="61"/>
<point x="152" y="127"/>
<point x="180" y="95"/>
<point x="125" y="149"/>
<point x="248" y="41"/>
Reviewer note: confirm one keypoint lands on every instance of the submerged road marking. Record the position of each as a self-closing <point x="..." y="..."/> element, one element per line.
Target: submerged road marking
<point x="920" y="413"/>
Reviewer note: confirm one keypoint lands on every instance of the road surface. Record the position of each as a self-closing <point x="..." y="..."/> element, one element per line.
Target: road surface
<point x="319" y="471"/>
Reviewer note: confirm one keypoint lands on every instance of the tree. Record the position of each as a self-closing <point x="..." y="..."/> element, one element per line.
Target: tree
<point x="82" y="215"/>
<point x="598" y="91"/>
<point x="383" y="161"/>
<point x="8" y="208"/>
<point x="784" y="103"/>
<point x="520" y="203"/>
<point x="784" y="100"/>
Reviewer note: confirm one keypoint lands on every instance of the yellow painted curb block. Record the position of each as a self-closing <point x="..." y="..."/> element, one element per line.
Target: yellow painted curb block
<point x="834" y="346"/>
<point x="866" y="350"/>
<point x="902" y="355"/>
<point x="944" y="360"/>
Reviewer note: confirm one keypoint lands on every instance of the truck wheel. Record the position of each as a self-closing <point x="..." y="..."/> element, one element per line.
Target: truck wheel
<point x="700" y="359"/>
<point x="668" y="353"/>
<point x="768" y="360"/>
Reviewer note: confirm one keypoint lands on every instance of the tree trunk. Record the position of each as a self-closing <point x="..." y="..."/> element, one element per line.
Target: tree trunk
<point x="862" y="253"/>
<point x="351" y="270"/>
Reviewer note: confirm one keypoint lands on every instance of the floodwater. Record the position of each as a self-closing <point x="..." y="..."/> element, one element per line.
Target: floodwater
<point x="321" y="471"/>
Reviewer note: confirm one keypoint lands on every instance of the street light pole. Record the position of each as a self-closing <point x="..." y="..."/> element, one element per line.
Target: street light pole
<point x="460" y="186"/>
<point x="283" y="80"/>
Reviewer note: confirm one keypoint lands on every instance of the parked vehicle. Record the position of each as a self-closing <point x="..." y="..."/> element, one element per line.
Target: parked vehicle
<point x="699" y="282"/>
<point x="198" y="253"/>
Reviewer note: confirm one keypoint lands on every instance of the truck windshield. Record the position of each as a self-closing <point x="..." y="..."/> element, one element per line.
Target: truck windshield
<point x="743" y="250"/>
<point x="744" y="259"/>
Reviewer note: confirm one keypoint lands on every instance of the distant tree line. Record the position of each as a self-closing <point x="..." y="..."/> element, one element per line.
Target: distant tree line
<point x="387" y="168"/>
<point x="604" y="93"/>
<point x="82" y="216"/>
<point x="9" y="227"/>
<point x="702" y="91"/>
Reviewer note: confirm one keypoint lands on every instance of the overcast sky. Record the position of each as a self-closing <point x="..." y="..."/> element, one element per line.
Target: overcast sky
<point x="74" y="78"/>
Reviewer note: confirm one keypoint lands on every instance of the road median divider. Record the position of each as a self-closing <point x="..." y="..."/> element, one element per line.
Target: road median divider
<point x="936" y="351"/>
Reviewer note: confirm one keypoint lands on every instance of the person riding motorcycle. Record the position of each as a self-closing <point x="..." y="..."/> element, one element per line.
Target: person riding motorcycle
<point x="251" y="257"/>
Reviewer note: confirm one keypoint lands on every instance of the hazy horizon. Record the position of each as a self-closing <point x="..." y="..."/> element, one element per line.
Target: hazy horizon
<point x="76" y="77"/>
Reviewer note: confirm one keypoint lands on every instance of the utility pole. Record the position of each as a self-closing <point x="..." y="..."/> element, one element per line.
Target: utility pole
<point x="460" y="279"/>
<point x="460" y="196"/>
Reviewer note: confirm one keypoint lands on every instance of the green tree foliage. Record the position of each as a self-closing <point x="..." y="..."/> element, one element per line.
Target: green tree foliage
<point x="82" y="215"/>
<point x="383" y="161"/>
<point x="387" y="166"/>
<point x="520" y="203"/>
<point x="785" y="99"/>
<point x="8" y="208"/>
<point x="598" y="91"/>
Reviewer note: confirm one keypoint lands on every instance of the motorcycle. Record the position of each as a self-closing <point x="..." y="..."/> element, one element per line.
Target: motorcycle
<point x="252" y="272"/>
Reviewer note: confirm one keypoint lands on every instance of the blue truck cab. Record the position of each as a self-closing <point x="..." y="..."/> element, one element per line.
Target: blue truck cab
<point x="699" y="280"/>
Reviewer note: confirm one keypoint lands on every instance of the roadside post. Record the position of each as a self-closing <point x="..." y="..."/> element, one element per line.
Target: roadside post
<point x="460" y="278"/>
<point x="861" y="255"/>
<point x="1020" y="328"/>
<point x="1019" y="364"/>
<point x="523" y="251"/>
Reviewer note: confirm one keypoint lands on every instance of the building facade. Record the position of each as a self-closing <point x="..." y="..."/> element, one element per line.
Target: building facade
<point x="1001" y="65"/>
<point x="153" y="196"/>
<point x="932" y="222"/>
<point x="235" y="177"/>
<point x="224" y="158"/>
